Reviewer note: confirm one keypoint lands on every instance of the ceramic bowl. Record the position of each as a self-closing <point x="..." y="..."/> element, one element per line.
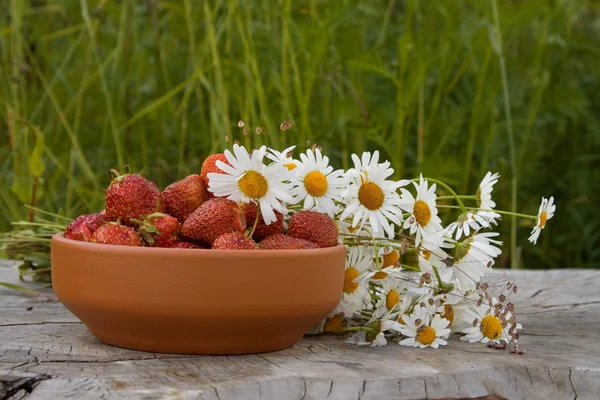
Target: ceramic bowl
<point x="196" y="301"/>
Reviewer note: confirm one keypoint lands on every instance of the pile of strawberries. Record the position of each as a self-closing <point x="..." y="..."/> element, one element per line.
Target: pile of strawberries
<point x="187" y="216"/>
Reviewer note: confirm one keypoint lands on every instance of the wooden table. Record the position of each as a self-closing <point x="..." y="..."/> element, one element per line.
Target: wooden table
<point x="47" y="353"/>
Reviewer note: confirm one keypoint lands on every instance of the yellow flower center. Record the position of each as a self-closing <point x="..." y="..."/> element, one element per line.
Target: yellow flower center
<point x="316" y="184"/>
<point x="333" y="324"/>
<point x="253" y="184"/>
<point x="400" y="320"/>
<point x="422" y="212"/>
<point x="448" y="314"/>
<point x="425" y="335"/>
<point x="427" y="254"/>
<point x="349" y="276"/>
<point x="371" y="196"/>
<point x="379" y="275"/>
<point x="392" y="299"/>
<point x="390" y="258"/>
<point x="543" y="218"/>
<point x="290" y="166"/>
<point x="491" y="327"/>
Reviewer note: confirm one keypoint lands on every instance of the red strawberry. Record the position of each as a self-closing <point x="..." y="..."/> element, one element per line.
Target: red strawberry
<point x="234" y="241"/>
<point x="159" y="230"/>
<point x="185" y="245"/>
<point x="183" y="197"/>
<point x="285" y="242"/>
<point x="212" y="219"/>
<point x="117" y="234"/>
<point x="262" y="230"/>
<point x="132" y="196"/>
<point x="83" y="227"/>
<point x="210" y="166"/>
<point x="315" y="227"/>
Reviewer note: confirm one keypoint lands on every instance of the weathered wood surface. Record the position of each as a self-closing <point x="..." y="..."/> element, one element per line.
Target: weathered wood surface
<point x="46" y="353"/>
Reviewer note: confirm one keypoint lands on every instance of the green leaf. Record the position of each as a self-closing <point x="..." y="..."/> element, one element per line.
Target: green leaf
<point x="36" y="162"/>
<point x="17" y="287"/>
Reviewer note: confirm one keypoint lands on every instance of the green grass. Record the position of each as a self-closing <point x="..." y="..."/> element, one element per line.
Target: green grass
<point x="159" y="84"/>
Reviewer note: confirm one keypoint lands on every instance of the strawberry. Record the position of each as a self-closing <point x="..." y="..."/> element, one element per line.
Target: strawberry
<point x="262" y="230"/>
<point x="159" y="230"/>
<point x="212" y="219"/>
<point x="183" y="197"/>
<point x="285" y="242"/>
<point x="234" y="241"/>
<point x="132" y="196"/>
<point x="185" y="245"/>
<point x="210" y="165"/>
<point x="83" y="227"/>
<point x="315" y="227"/>
<point x="117" y="234"/>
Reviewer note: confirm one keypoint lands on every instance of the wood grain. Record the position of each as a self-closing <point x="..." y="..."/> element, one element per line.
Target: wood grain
<point x="46" y="353"/>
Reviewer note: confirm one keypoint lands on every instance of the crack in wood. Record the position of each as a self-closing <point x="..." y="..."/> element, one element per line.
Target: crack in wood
<point x="11" y="385"/>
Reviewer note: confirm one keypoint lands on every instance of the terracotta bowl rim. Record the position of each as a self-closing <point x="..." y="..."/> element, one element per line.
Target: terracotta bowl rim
<point x="146" y="251"/>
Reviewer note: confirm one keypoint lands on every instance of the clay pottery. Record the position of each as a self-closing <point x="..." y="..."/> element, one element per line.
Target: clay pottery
<point x="197" y="301"/>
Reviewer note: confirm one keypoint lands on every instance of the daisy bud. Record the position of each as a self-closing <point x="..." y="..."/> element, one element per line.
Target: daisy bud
<point x="479" y="302"/>
<point x="226" y="138"/>
<point x="236" y="142"/>
<point x="285" y="125"/>
<point x="489" y="264"/>
<point x="245" y="131"/>
<point x="484" y="286"/>
<point x="502" y="298"/>
<point x="422" y="304"/>
<point x="512" y="320"/>
<point x="515" y="289"/>
<point x="307" y="143"/>
<point x="431" y="302"/>
<point x="418" y="322"/>
<point x="259" y="129"/>
<point x="240" y="124"/>
<point x="475" y="322"/>
<point x="511" y="307"/>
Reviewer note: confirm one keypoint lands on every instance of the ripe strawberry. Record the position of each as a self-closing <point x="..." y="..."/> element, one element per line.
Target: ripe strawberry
<point x="210" y="165"/>
<point x="262" y="230"/>
<point x="159" y="230"/>
<point x="315" y="227"/>
<point x="285" y="242"/>
<point x="183" y="197"/>
<point x="83" y="227"/>
<point x="234" y="241"/>
<point x="185" y="245"/>
<point x="120" y="235"/>
<point x="132" y="196"/>
<point x="212" y="219"/>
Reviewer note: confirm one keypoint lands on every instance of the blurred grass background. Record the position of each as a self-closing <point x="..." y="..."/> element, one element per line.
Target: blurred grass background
<point x="159" y="84"/>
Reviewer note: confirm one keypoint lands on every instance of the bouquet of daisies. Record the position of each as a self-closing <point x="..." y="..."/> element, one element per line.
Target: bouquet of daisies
<point x="410" y="277"/>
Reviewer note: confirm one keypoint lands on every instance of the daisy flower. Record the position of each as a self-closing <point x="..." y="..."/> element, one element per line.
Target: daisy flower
<point x="317" y="183"/>
<point x="423" y="221"/>
<point x="389" y="299"/>
<point x="355" y="294"/>
<point x="545" y="212"/>
<point x="370" y="196"/>
<point x="248" y="179"/>
<point x="471" y="222"/>
<point x="332" y="323"/>
<point x="422" y="333"/>
<point x="283" y="157"/>
<point x="487" y="326"/>
<point x="484" y="192"/>
<point x="473" y="257"/>
<point x="432" y="255"/>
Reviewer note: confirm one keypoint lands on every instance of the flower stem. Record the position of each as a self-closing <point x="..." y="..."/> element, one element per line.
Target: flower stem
<point x="496" y="211"/>
<point x="355" y="328"/>
<point x="466" y="197"/>
<point x="255" y="221"/>
<point x="437" y="275"/>
<point x="448" y="188"/>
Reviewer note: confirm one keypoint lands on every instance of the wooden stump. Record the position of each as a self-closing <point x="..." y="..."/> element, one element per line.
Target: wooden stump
<point x="46" y="353"/>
